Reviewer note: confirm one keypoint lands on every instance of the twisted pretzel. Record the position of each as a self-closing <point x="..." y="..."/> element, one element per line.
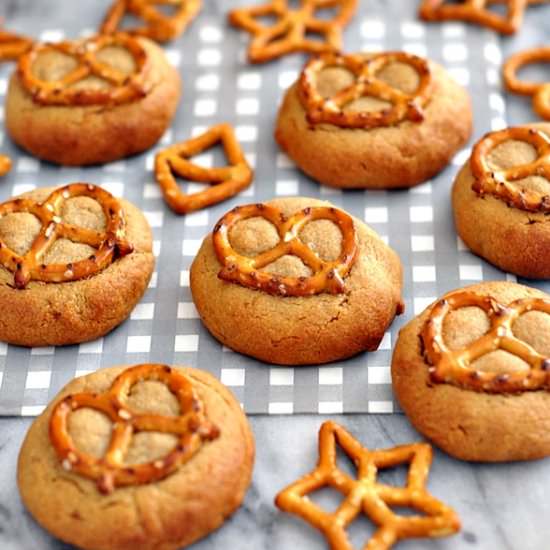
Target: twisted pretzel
<point x="156" y="25"/>
<point x="328" y="276"/>
<point x="12" y="46"/>
<point x="289" y="33"/>
<point x="108" y="243"/>
<point x="539" y="90"/>
<point x="503" y="184"/>
<point x="365" y="68"/>
<point x="226" y="182"/>
<point x="123" y="88"/>
<point x="191" y="427"/>
<point x="364" y="494"/>
<point x="455" y="366"/>
<point x="5" y="165"/>
<point x="476" y="11"/>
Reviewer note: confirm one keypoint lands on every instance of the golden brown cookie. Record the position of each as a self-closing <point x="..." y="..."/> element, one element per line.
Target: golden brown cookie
<point x="70" y="271"/>
<point x="184" y="468"/>
<point x="373" y="121"/>
<point x="335" y="305"/>
<point x="471" y="372"/>
<point x="93" y="101"/>
<point x="501" y="213"/>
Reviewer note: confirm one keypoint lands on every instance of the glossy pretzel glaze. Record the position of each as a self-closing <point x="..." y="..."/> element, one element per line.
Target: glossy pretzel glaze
<point x="109" y="244"/>
<point x="327" y="276"/>
<point x="456" y="366"/>
<point x="364" y="68"/>
<point x="191" y="427"/>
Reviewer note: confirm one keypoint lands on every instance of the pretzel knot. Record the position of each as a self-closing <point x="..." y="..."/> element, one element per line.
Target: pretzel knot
<point x="365" y="494"/>
<point x="157" y="25"/>
<point x="539" y="90"/>
<point x="477" y="11"/>
<point x="5" y="165"/>
<point x="67" y="91"/>
<point x="506" y="184"/>
<point x="293" y="26"/>
<point x="226" y="182"/>
<point x="191" y="427"/>
<point x="327" y="276"/>
<point x="457" y="366"/>
<point x="12" y="46"/>
<point x="108" y="243"/>
<point x="365" y="68"/>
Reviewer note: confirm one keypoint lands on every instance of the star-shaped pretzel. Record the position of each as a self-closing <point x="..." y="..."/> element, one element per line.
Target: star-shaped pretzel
<point x="123" y="87"/>
<point x="457" y="366"/>
<point x="108" y="244"/>
<point x="191" y="427"/>
<point x="13" y="46"/>
<point x="327" y="276"/>
<point x="5" y="165"/>
<point x="539" y="90"/>
<point x="476" y="11"/>
<point x="225" y="182"/>
<point x="156" y="24"/>
<point x="365" y="68"/>
<point x="505" y="184"/>
<point x="365" y="495"/>
<point x="289" y="33"/>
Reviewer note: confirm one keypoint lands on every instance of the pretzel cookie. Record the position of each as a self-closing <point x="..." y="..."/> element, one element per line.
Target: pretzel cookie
<point x="74" y="262"/>
<point x="380" y="120"/>
<point x="501" y="200"/>
<point x="91" y="101"/>
<point x="472" y="372"/>
<point x="149" y="456"/>
<point x="296" y="281"/>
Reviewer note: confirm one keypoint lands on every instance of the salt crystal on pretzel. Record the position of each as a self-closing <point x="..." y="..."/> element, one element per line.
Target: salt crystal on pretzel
<point x="225" y="182"/>
<point x="156" y="24"/>
<point x="123" y="88"/>
<point x="364" y="68"/>
<point x="290" y="31"/>
<point x="505" y="184"/>
<point x="364" y="494"/>
<point x="191" y="427"/>
<point x="109" y="243"/>
<point x="327" y="276"/>
<point x="457" y="367"/>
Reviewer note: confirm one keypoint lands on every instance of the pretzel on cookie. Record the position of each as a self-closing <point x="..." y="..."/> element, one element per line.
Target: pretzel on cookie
<point x="13" y="46"/>
<point x="327" y="276"/>
<point x="539" y="90"/>
<point x="226" y="182"/>
<point x="289" y="33"/>
<point x="108" y="243"/>
<point x="190" y="426"/>
<point x="505" y="184"/>
<point x="157" y="25"/>
<point x="457" y="367"/>
<point x="364" y="494"/>
<point x="5" y="165"/>
<point x="123" y="87"/>
<point x="365" y="68"/>
<point x="476" y="11"/>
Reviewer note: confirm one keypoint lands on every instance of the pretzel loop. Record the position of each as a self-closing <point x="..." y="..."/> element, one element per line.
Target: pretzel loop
<point x="327" y="276"/>
<point x="365" y="494"/>
<point x="191" y="427"/>
<point x="108" y="243"/>
<point x="122" y="88"/>
<point x="456" y="366"/>
<point x="364" y="68"/>
<point x="12" y="46"/>
<point x="505" y="184"/>
<point x="226" y="182"/>
<point x="156" y="25"/>
<point x="476" y="11"/>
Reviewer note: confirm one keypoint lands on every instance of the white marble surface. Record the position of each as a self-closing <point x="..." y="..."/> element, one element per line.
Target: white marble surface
<point x="502" y="507"/>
